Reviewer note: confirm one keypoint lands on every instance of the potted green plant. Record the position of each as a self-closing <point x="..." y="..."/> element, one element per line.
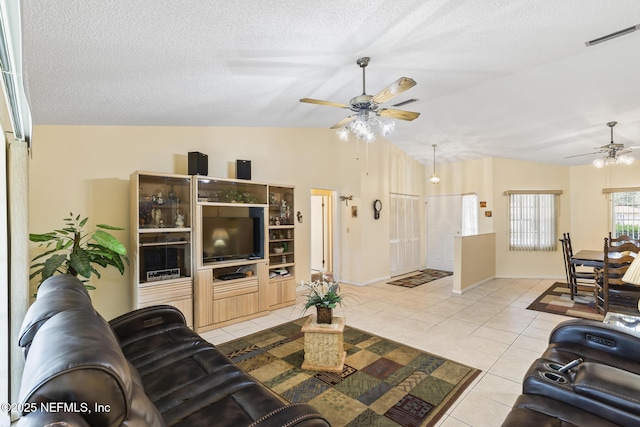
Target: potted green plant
<point x="324" y="295"/>
<point x="72" y="250"/>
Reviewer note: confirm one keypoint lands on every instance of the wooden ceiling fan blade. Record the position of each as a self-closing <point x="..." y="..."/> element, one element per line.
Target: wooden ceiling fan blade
<point x="394" y="89"/>
<point x="321" y="102"/>
<point x="342" y="123"/>
<point x="398" y="114"/>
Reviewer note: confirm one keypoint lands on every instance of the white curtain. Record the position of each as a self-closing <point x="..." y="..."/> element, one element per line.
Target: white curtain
<point x="469" y="214"/>
<point x="19" y="273"/>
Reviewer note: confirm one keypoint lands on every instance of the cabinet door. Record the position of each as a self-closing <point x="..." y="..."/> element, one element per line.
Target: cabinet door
<point x="175" y="294"/>
<point x="282" y="292"/>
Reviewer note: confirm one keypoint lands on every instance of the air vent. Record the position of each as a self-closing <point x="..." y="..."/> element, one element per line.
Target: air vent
<point x="613" y="35"/>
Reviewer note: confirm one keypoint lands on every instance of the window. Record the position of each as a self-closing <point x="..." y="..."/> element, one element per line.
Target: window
<point x="469" y="214"/>
<point x="625" y="214"/>
<point x="532" y="221"/>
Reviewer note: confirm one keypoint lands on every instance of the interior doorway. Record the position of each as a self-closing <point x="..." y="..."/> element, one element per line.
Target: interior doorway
<point x="322" y="238"/>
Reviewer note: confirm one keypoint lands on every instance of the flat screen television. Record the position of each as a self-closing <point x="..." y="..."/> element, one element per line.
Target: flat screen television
<point x="232" y="233"/>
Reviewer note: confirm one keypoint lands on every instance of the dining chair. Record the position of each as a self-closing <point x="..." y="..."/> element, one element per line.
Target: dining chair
<point x="566" y="259"/>
<point x="623" y="238"/>
<point x="611" y="290"/>
<point x="576" y="276"/>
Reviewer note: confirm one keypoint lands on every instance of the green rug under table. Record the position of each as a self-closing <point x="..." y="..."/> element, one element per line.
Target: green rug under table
<point x="383" y="383"/>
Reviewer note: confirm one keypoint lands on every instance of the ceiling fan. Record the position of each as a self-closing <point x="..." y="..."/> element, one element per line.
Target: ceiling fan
<point x="365" y="105"/>
<point x="614" y="153"/>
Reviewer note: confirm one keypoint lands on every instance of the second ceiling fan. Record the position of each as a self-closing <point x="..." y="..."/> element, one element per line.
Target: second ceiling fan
<point x="612" y="153"/>
<point x="365" y="105"/>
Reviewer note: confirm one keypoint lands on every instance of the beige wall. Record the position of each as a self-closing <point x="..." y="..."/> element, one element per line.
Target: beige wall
<point x="520" y="175"/>
<point x="474" y="261"/>
<point x="85" y="169"/>
<point x="591" y="210"/>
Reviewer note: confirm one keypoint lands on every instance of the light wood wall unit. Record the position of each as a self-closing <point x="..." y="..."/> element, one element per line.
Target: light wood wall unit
<point x="281" y="246"/>
<point x="161" y="237"/>
<point x="225" y="231"/>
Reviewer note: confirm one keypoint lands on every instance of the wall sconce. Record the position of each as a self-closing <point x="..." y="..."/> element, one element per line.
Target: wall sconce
<point x="346" y="199"/>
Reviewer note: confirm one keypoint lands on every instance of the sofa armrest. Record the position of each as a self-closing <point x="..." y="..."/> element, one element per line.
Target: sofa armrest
<point x="294" y="414"/>
<point x="145" y="318"/>
<point x="599" y="336"/>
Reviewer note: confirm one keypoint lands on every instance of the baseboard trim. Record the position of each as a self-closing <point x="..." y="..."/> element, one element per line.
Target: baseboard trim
<point x="370" y="282"/>
<point x="475" y="285"/>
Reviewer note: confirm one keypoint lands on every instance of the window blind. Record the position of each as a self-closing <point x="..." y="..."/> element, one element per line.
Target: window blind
<point x="532" y="222"/>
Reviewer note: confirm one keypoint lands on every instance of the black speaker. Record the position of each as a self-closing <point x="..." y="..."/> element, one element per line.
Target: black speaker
<point x="198" y="163"/>
<point x="243" y="169"/>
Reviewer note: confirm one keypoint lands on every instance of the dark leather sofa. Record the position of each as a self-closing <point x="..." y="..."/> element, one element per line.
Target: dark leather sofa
<point x="144" y="368"/>
<point x="602" y="389"/>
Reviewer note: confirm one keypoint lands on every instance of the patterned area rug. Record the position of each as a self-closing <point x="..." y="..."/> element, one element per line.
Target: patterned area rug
<point x="383" y="383"/>
<point x="421" y="278"/>
<point x="557" y="300"/>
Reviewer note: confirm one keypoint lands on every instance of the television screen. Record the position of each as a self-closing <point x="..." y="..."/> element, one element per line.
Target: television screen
<point x="232" y="237"/>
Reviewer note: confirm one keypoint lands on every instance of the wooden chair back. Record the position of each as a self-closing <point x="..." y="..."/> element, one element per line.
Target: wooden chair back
<point x="567" y="257"/>
<point x="617" y="259"/>
<point x="624" y="238"/>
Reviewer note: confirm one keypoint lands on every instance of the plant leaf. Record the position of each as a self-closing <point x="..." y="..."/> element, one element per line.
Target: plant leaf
<point x="42" y="237"/>
<point x="52" y="265"/>
<point x="109" y="227"/>
<point x="83" y="222"/>
<point x="79" y="260"/>
<point x="109" y="241"/>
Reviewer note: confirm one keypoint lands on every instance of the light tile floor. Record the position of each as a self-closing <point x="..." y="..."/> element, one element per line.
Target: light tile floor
<point x="488" y="328"/>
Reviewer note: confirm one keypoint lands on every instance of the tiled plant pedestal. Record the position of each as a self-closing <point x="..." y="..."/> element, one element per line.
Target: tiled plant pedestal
<point x="324" y="345"/>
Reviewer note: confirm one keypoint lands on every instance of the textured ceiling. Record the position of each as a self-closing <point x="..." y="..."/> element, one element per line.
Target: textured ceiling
<point x="506" y="78"/>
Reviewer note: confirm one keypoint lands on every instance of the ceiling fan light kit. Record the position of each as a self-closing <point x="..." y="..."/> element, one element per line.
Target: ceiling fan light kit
<point x="366" y="123"/>
<point x="615" y="154"/>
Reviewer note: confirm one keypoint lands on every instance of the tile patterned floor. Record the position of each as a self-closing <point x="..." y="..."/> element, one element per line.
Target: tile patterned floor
<point x="488" y="327"/>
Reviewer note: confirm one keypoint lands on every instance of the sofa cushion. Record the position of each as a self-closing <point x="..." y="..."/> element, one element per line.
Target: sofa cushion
<point x="191" y="382"/>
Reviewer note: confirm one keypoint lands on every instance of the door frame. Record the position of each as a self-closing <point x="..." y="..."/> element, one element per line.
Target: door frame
<point x="329" y="225"/>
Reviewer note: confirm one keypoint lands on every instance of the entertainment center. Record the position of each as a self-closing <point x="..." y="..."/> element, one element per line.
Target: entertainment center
<point x="220" y="250"/>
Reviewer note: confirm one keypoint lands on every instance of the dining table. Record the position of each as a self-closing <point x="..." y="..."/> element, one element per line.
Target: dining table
<point x="588" y="258"/>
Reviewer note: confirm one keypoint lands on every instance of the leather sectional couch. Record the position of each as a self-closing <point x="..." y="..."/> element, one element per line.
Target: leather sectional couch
<point x="144" y="368"/>
<point x="589" y="375"/>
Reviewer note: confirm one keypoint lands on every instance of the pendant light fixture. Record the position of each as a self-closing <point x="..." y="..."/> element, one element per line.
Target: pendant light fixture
<point x="434" y="178"/>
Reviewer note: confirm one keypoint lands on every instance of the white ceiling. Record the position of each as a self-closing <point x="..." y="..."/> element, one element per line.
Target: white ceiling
<point x="506" y="78"/>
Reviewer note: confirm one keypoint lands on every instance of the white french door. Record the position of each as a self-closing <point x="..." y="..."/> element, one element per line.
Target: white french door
<point x="404" y="236"/>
